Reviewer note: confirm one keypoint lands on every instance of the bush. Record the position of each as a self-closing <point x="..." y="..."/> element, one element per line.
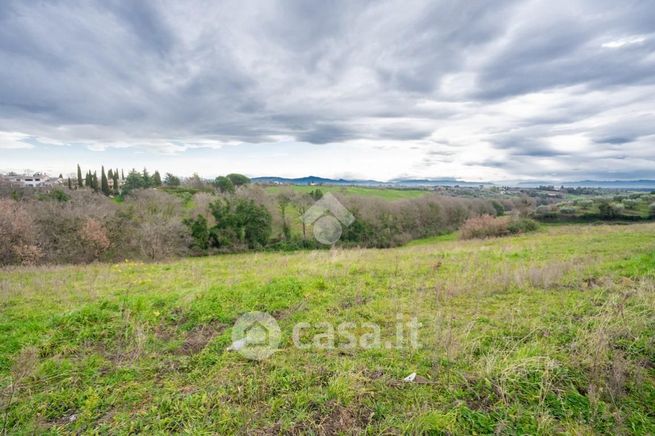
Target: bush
<point x="652" y="209"/>
<point x="585" y="204"/>
<point x="630" y="204"/>
<point x="487" y="226"/>
<point x="240" y="223"/>
<point x="18" y="235"/>
<point x="522" y="225"/>
<point x="568" y="210"/>
<point x="607" y="210"/>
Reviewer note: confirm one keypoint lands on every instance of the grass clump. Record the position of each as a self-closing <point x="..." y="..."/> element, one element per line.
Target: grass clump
<point x="487" y="226"/>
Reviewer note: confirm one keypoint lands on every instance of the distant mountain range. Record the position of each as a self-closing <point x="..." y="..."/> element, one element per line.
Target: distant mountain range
<point x="408" y="183"/>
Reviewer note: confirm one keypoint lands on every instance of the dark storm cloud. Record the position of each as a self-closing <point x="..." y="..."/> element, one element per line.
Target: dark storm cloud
<point x="506" y="81"/>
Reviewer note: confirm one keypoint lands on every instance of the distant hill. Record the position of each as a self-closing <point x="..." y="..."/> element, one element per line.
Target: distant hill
<point x="313" y="180"/>
<point x="416" y="183"/>
<point x="607" y="184"/>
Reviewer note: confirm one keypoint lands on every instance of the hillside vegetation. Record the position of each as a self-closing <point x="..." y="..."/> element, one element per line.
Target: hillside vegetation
<point x="548" y="332"/>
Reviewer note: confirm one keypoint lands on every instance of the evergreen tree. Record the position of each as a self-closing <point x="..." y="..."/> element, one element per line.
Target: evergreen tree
<point x="116" y="186"/>
<point x="147" y="182"/>
<point x="80" y="183"/>
<point x="104" y="184"/>
<point x="122" y="175"/>
<point x="94" y="182"/>
<point x="156" y="179"/>
<point x="88" y="180"/>
<point x="224" y="184"/>
<point x="70" y="184"/>
<point x="133" y="181"/>
<point x="61" y="176"/>
<point x="171" y="180"/>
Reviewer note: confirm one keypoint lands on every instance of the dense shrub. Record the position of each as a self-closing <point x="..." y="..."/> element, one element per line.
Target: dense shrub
<point x="240" y="223"/>
<point x="487" y="226"/>
<point x="568" y="210"/>
<point x="381" y="223"/>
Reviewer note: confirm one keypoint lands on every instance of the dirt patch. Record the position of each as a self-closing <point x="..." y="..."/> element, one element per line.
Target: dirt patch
<point x="348" y="420"/>
<point x="197" y="339"/>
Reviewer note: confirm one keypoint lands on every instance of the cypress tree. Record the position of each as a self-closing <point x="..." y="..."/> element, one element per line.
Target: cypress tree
<point x="156" y="179"/>
<point x="70" y="184"/>
<point x="94" y="181"/>
<point x="122" y="175"/>
<point x="104" y="184"/>
<point x="80" y="183"/>
<point x="116" y="181"/>
<point x="88" y="180"/>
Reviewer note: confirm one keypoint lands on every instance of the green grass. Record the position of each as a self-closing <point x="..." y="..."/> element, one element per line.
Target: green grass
<point x="551" y="332"/>
<point x="385" y="193"/>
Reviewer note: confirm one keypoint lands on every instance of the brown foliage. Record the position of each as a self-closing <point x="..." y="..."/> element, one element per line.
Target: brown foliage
<point x="18" y="242"/>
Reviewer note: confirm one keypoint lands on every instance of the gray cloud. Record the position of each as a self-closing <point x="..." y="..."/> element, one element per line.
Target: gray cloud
<point x="520" y="88"/>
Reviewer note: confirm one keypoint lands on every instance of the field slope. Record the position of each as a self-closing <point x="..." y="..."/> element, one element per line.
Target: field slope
<point x="552" y="332"/>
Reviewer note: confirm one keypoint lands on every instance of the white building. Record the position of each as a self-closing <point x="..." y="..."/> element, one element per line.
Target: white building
<point x="36" y="180"/>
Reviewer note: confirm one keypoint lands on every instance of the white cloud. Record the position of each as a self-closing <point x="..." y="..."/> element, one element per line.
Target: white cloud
<point x="14" y="140"/>
<point x="625" y="41"/>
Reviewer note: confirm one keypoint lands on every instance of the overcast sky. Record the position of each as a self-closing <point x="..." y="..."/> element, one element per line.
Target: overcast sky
<point x="477" y="90"/>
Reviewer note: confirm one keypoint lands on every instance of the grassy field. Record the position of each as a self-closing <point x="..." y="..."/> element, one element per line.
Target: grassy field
<point x="386" y="193"/>
<point x="552" y="332"/>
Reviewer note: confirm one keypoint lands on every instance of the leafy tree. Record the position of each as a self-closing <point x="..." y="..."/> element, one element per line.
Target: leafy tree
<point x="302" y="202"/>
<point x="104" y="184"/>
<point x="500" y="209"/>
<point x="133" y="181"/>
<point x="199" y="231"/>
<point x="239" y="222"/>
<point x="607" y="210"/>
<point x="196" y="182"/>
<point x="156" y="179"/>
<point x="238" y="179"/>
<point x="171" y="180"/>
<point x="224" y="184"/>
<point x="80" y="182"/>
